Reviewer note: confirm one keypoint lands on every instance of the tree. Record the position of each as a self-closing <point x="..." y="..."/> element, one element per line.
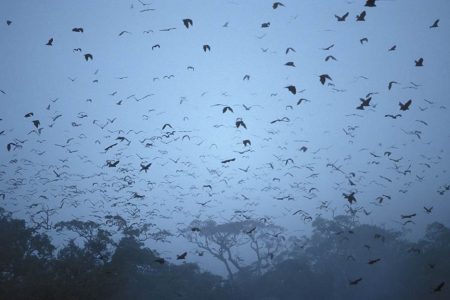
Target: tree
<point x="97" y="240"/>
<point x="25" y="257"/>
<point x="140" y="231"/>
<point x="221" y="240"/>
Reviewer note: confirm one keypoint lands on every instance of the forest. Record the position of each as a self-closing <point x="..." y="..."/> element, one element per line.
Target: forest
<point x="341" y="259"/>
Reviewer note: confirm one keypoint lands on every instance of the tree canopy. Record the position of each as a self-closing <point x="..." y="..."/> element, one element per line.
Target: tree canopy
<point x="340" y="260"/>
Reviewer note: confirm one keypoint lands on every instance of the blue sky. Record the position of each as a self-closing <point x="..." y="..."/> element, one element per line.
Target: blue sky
<point x="89" y="93"/>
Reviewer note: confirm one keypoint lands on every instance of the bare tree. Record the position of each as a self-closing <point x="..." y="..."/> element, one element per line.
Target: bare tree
<point x="42" y="218"/>
<point x="222" y="241"/>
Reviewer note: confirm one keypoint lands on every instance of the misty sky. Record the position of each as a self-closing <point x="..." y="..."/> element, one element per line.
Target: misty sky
<point x="318" y="149"/>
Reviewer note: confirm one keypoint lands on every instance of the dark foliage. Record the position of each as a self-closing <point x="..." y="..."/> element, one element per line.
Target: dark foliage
<point x="331" y="264"/>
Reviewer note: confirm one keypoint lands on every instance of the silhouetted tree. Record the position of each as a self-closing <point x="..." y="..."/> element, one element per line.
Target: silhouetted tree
<point x="340" y="260"/>
<point x="222" y="240"/>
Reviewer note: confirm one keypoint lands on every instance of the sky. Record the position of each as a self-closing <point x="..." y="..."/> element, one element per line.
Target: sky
<point x="317" y="151"/>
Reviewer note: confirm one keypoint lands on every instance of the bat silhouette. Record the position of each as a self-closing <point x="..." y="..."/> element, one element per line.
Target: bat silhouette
<point x="342" y="18"/>
<point x="405" y="106"/>
<point x="370" y="3"/>
<point x="419" y="62"/>
<point x="350" y="197"/>
<point x="228" y="160"/>
<point x="292" y="89"/>
<point x="301" y="100"/>
<point x="364" y="103"/>
<point x="407" y="216"/>
<point x="391" y="83"/>
<point x="277" y="4"/>
<point x="428" y="210"/>
<point x="439" y="287"/>
<point x="393" y="117"/>
<point x="224" y="110"/>
<point x="109" y="147"/>
<point x="188" y="22"/>
<point x="361" y="16"/>
<point x="373" y="261"/>
<point x="355" y="282"/>
<point x="283" y="119"/>
<point x="290" y="49"/>
<point x="145" y="167"/>
<point x="435" y="24"/>
<point x="324" y="77"/>
<point x="112" y="163"/>
<point x="123" y="32"/>
<point x="8" y="147"/>
<point x="240" y="123"/>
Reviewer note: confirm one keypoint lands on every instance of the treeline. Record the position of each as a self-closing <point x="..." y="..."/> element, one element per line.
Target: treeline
<point x="340" y="260"/>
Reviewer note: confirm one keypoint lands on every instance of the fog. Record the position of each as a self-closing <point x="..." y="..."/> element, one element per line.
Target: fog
<point x="230" y="144"/>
